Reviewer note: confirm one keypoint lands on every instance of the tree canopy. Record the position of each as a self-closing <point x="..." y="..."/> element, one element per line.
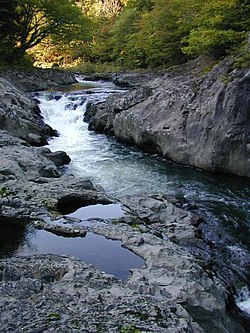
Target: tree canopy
<point x="132" y="33"/>
<point x="34" y="20"/>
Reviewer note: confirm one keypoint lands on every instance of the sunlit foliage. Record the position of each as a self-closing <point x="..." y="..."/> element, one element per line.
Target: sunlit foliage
<point x="130" y="33"/>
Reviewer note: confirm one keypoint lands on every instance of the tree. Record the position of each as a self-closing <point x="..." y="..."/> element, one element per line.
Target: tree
<point x="41" y="18"/>
<point x="8" y="27"/>
<point x="162" y="29"/>
<point x="218" y="28"/>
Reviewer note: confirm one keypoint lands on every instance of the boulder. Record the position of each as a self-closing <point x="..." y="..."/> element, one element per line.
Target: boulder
<point x="60" y="158"/>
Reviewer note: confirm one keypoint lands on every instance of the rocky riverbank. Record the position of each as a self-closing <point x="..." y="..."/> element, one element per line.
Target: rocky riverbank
<point x="174" y="292"/>
<point x="189" y="117"/>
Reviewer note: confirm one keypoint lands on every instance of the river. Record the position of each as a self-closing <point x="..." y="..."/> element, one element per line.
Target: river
<point x="222" y="200"/>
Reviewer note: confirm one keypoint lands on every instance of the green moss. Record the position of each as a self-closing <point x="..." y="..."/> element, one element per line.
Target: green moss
<point x="54" y="316"/>
<point x="75" y="323"/>
<point x="129" y="329"/>
<point x="51" y="207"/>
<point x="4" y="192"/>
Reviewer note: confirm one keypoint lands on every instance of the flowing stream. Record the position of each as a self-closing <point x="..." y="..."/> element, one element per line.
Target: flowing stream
<point x="222" y="200"/>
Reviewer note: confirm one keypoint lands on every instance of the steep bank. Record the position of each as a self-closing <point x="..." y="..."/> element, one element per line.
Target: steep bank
<point x="195" y="119"/>
<point x="172" y="293"/>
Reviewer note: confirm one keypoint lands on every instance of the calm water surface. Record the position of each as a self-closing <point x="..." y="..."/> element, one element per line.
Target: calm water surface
<point x="222" y="200"/>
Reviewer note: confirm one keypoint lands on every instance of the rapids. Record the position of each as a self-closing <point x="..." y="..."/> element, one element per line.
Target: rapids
<point x="223" y="200"/>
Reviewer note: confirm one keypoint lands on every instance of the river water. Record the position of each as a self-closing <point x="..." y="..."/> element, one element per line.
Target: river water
<point x="222" y="200"/>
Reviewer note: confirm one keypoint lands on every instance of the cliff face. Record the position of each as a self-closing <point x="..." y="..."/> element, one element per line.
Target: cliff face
<point x="189" y="118"/>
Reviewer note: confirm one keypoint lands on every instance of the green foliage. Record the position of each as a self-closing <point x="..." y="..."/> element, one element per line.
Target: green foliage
<point x="241" y="56"/>
<point x="32" y="21"/>
<point x="218" y="28"/>
<point x="54" y="316"/>
<point x="131" y="33"/>
<point x="214" y="42"/>
<point x="123" y="50"/>
<point x="41" y="18"/>
<point x="8" y="29"/>
<point x="141" y="5"/>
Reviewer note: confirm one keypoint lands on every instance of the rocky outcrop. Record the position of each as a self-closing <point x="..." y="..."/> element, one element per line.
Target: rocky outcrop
<point x="171" y="293"/>
<point x="186" y="116"/>
<point x="61" y="294"/>
<point x="31" y="183"/>
<point x="34" y="79"/>
<point x="20" y="116"/>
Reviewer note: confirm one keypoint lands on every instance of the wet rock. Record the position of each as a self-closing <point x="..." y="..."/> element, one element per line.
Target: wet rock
<point x="36" y="140"/>
<point x="18" y="115"/>
<point x="58" y="157"/>
<point x="59" y="230"/>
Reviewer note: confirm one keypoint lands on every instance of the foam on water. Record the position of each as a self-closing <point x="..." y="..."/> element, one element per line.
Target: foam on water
<point x="127" y="171"/>
<point x="243" y="300"/>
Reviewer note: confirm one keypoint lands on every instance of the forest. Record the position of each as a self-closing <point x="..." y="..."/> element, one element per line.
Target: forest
<point x="131" y="34"/>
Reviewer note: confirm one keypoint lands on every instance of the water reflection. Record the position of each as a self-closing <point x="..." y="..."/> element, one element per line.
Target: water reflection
<point x="110" y="211"/>
<point x="12" y="236"/>
<point x="108" y="255"/>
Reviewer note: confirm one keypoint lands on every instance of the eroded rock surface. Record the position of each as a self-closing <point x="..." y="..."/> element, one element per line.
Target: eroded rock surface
<point x="172" y="293"/>
<point x="186" y="116"/>
<point x="62" y="294"/>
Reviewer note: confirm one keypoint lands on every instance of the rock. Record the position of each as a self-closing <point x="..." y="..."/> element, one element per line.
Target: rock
<point x="36" y="140"/>
<point x="134" y="79"/>
<point x="37" y="78"/>
<point x="189" y="118"/>
<point x="159" y="214"/>
<point x="61" y="294"/>
<point x="58" y="157"/>
<point x="18" y="115"/>
<point x="173" y="293"/>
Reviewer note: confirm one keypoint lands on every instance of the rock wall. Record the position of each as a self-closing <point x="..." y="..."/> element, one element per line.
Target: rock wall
<point x="186" y="116"/>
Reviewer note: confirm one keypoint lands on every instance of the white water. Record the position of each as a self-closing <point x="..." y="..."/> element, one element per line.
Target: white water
<point x="120" y="170"/>
<point x="127" y="171"/>
<point x="243" y="300"/>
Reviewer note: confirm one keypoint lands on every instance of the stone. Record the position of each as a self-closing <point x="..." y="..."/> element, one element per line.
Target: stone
<point x="172" y="293"/>
<point x="60" y="158"/>
<point x="187" y="117"/>
<point x="35" y="79"/>
<point x="61" y="294"/>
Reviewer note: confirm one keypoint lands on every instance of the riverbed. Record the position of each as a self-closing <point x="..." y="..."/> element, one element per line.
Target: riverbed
<point x="222" y="200"/>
